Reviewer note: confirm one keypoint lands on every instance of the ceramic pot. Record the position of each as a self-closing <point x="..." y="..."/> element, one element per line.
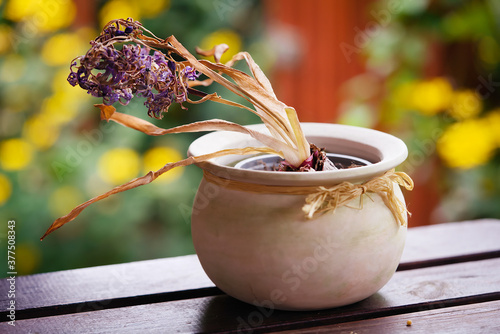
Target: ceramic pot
<point x="260" y="248"/>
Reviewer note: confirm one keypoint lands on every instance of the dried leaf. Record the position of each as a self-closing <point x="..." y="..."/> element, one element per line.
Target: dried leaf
<point x="209" y="125"/>
<point x="148" y="178"/>
<point x="106" y="111"/>
<point x="256" y="71"/>
<point x="271" y="110"/>
<point x="217" y="51"/>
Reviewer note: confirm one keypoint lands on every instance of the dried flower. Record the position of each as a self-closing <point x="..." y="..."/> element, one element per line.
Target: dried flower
<point x="117" y="74"/>
<point x="125" y="60"/>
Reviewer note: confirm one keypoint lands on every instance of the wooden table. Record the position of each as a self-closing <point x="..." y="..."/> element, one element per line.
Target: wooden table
<point x="448" y="282"/>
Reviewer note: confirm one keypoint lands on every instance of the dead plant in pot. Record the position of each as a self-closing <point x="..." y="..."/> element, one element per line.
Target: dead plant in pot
<point x="309" y="233"/>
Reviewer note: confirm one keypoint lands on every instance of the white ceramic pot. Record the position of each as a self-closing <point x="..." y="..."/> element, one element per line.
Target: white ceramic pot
<point x="261" y="249"/>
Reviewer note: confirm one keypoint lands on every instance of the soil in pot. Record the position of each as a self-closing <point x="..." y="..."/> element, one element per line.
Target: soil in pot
<point x="270" y="162"/>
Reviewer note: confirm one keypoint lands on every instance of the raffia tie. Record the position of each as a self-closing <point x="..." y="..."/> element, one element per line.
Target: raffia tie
<point x="328" y="199"/>
<point x="321" y="199"/>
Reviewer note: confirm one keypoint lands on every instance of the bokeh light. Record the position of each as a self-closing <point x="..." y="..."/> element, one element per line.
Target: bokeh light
<point x="119" y="9"/>
<point x="61" y="48"/>
<point x="41" y="131"/>
<point x="157" y="157"/>
<point x="64" y="199"/>
<point x="151" y="8"/>
<point x="42" y="15"/>
<point x="466" y="144"/>
<point x="28" y="258"/>
<point x="223" y="36"/>
<point x="5" y="189"/>
<point x="15" y="154"/>
<point x="119" y="165"/>
<point x="493" y="121"/>
<point x="59" y="108"/>
<point x="431" y="96"/>
<point x="465" y="104"/>
<point x="5" y="36"/>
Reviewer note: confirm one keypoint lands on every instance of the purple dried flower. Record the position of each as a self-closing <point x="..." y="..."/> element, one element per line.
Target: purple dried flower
<point x="190" y="73"/>
<point x="116" y="74"/>
<point x="171" y="66"/>
<point x="73" y="79"/>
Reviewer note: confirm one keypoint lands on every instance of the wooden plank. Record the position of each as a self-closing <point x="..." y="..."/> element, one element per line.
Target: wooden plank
<point x="98" y="285"/>
<point x="451" y="239"/>
<point x="477" y="318"/>
<point x="409" y="291"/>
<point x="107" y="282"/>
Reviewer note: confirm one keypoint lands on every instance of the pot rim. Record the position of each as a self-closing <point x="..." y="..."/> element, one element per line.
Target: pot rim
<point x="385" y="151"/>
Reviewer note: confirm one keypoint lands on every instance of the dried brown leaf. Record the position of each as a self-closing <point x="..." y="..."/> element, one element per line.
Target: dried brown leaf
<point x="217" y="51"/>
<point x="209" y="125"/>
<point x="148" y="178"/>
<point x="106" y="111"/>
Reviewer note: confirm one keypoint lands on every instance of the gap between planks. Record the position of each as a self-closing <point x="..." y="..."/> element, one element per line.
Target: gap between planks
<point x="448" y="260"/>
<point x="97" y="305"/>
<point x="341" y="318"/>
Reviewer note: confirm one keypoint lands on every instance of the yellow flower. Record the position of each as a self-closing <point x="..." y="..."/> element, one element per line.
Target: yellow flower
<point x="119" y="165"/>
<point x="432" y="96"/>
<point x="151" y="8"/>
<point x="402" y="95"/>
<point x="466" y="144"/>
<point x="5" y="189"/>
<point x="60" y="49"/>
<point x="28" y="258"/>
<point x="15" y="154"/>
<point x="16" y="10"/>
<point x="223" y="36"/>
<point x="59" y="108"/>
<point x="64" y="199"/>
<point x="122" y="9"/>
<point x="5" y="38"/>
<point x="157" y="157"/>
<point x="493" y="120"/>
<point x="119" y="9"/>
<point x="65" y="92"/>
<point x="41" y="131"/>
<point x="41" y="15"/>
<point x="60" y="82"/>
<point x="465" y="104"/>
<point x="61" y="14"/>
